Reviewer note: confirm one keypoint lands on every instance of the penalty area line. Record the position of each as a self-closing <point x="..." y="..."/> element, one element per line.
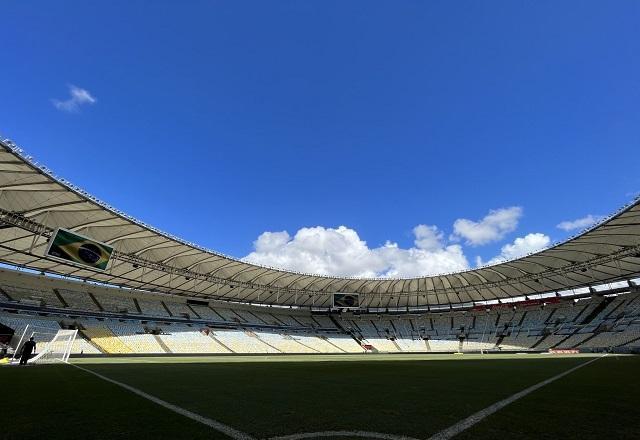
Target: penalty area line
<point x="467" y="423"/>
<point x="446" y="434"/>
<point x="363" y="434"/>
<point x="221" y="427"/>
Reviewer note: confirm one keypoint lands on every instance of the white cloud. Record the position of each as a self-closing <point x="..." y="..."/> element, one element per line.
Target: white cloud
<point x="77" y="97"/>
<point x="520" y="246"/>
<point x="412" y="262"/>
<point x="340" y="251"/>
<point x="428" y="237"/>
<point x="580" y="223"/>
<point x="493" y="227"/>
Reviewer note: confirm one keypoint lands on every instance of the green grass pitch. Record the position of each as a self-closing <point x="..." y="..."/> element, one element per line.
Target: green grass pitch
<point x="407" y="395"/>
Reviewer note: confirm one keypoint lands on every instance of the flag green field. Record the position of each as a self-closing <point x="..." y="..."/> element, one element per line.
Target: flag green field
<point x="69" y="246"/>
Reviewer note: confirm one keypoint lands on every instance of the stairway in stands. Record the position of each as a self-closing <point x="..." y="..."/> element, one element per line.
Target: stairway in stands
<point x="328" y="341"/>
<point x="595" y="333"/>
<point x="83" y="335"/>
<point x="344" y="330"/>
<point x="166" y="308"/>
<point x="548" y="320"/>
<point x="95" y="301"/>
<point x="161" y="343"/>
<point x="522" y="319"/>
<point x="254" y="335"/>
<point x="137" y="304"/>
<point x="5" y="295"/>
<point x="540" y="341"/>
<point x="629" y="342"/>
<point x="313" y="349"/>
<point x="60" y="298"/>
<point x="596" y="311"/>
<point x="573" y="332"/>
<point x="213" y="336"/>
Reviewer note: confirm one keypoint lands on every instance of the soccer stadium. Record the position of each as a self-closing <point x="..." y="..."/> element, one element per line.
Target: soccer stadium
<point x="136" y="307"/>
<point x="112" y="328"/>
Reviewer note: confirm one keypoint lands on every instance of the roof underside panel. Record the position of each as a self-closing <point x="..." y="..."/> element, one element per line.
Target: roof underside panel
<point x="34" y="203"/>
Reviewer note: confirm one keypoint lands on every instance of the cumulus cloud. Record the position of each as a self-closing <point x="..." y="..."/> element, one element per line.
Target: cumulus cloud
<point x="493" y="227"/>
<point x="340" y="251"/>
<point x="580" y="223"/>
<point x="520" y="246"/>
<point x="428" y="237"/>
<point x="77" y="98"/>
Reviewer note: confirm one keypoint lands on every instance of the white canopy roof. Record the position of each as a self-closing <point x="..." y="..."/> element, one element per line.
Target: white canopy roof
<point x="33" y="202"/>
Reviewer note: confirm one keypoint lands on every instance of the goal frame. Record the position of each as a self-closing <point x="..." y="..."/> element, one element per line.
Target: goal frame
<point x="55" y="345"/>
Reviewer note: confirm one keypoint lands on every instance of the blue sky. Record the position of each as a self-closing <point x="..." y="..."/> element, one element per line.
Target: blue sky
<point x="220" y="121"/>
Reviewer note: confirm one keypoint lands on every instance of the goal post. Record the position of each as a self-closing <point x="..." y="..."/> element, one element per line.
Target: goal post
<point x="57" y="349"/>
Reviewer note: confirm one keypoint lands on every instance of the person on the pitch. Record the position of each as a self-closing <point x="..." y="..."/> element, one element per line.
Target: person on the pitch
<point x="28" y="348"/>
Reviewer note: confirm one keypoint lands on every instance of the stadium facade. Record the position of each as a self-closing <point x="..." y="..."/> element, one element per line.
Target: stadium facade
<point x="161" y="294"/>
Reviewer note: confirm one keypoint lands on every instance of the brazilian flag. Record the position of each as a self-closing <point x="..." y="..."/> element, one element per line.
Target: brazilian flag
<point x="75" y="248"/>
<point x="346" y="300"/>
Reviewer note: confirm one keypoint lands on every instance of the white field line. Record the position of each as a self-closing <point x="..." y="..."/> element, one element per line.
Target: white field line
<point x="364" y="434"/>
<point x="480" y="415"/>
<point x="442" y="435"/>
<point x="225" y="429"/>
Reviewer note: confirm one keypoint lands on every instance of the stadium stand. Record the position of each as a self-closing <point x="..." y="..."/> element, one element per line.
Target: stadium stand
<point x="79" y="300"/>
<point x="268" y="318"/>
<point x="411" y="345"/>
<point x="288" y="320"/>
<point x="600" y="321"/>
<point x="83" y="346"/>
<point x="152" y="308"/>
<point x="307" y="321"/>
<point x="249" y="317"/>
<point x="105" y="339"/>
<point x="229" y="315"/>
<point x="135" y="337"/>
<point x="323" y="321"/>
<point x="382" y="345"/>
<point x="284" y="343"/>
<point x="41" y="296"/>
<point x="178" y="309"/>
<point x="517" y="341"/>
<point x="45" y="328"/>
<point x="613" y="338"/>
<point x="185" y="339"/>
<point x="478" y="344"/>
<point x="205" y="312"/>
<point x="548" y="302"/>
<point x="116" y="303"/>
<point x="344" y="343"/>
<point x="574" y="340"/>
<point x="444" y="345"/>
<point x="317" y="343"/>
<point x="239" y="341"/>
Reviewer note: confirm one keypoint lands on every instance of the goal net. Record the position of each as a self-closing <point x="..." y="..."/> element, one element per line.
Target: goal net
<point x="54" y="347"/>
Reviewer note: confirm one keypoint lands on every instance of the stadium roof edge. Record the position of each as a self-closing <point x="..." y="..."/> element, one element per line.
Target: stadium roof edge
<point x="34" y="202"/>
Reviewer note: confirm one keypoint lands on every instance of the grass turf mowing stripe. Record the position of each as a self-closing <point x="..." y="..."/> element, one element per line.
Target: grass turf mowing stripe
<point x="227" y="430"/>
<point x="468" y="422"/>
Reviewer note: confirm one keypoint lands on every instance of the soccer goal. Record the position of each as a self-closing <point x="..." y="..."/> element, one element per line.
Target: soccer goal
<point x="51" y="345"/>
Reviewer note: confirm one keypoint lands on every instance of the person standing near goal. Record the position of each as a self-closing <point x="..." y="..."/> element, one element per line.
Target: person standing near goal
<point x="28" y="348"/>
